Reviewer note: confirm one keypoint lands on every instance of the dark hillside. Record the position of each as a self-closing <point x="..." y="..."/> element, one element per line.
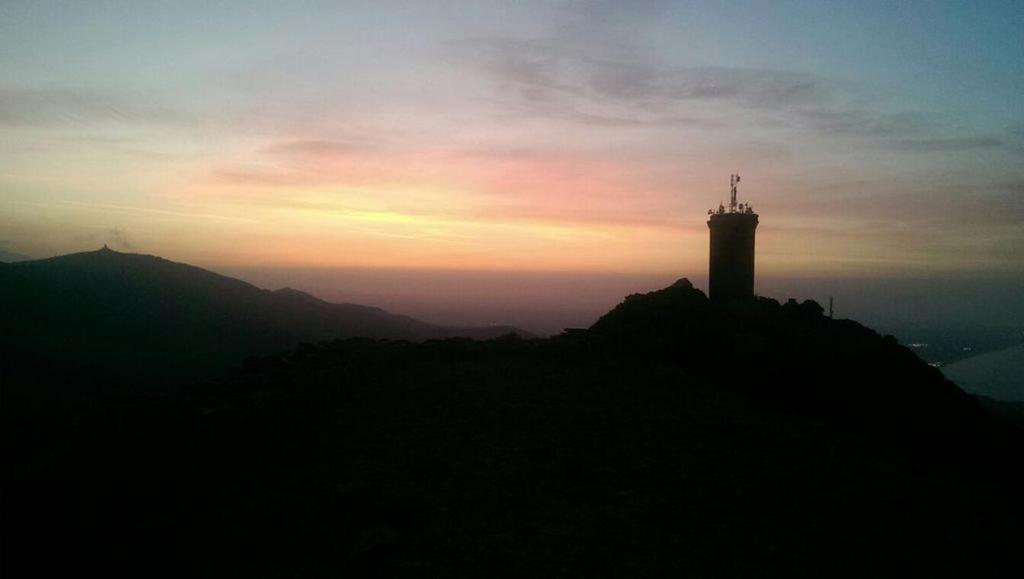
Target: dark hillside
<point x="116" y="319"/>
<point x="607" y="452"/>
<point x="793" y="356"/>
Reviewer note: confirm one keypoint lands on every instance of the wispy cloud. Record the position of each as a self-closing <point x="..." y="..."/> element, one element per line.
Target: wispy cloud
<point x="859" y="122"/>
<point x="264" y="177"/>
<point x="302" y="147"/>
<point x="51" y="106"/>
<point x="130" y="209"/>
<point x="947" y="144"/>
<point x="551" y="79"/>
<point x="542" y="75"/>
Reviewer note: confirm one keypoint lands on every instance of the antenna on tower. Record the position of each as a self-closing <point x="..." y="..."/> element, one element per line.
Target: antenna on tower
<point x="734" y="180"/>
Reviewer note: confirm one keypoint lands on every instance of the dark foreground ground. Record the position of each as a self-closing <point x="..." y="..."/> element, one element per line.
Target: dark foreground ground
<point x="523" y="458"/>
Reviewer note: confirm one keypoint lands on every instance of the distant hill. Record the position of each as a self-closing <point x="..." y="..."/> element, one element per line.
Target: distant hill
<point x="12" y="256"/>
<point x="118" y="319"/>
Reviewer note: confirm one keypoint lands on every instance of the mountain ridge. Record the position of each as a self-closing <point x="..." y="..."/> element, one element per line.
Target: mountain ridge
<point x="123" y="316"/>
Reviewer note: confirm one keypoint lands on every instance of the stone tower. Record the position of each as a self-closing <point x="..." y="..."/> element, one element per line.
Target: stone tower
<point x="731" y="270"/>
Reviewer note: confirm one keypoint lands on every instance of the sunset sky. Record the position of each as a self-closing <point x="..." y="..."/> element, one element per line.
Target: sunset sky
<point x="575" y="135"/>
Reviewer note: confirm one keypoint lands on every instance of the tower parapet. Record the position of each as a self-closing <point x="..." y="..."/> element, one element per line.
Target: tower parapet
<point x="731" y="269"/>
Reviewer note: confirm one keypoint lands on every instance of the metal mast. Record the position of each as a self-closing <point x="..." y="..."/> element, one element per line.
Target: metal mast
<point x="734" y="180"/>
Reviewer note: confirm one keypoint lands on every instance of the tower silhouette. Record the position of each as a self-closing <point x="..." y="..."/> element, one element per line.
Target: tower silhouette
<point x="731" y="269"/>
